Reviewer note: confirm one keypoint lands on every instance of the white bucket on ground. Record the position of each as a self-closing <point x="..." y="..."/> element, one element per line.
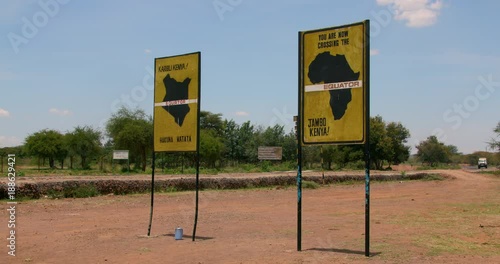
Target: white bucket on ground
<point x="178" y="233"/>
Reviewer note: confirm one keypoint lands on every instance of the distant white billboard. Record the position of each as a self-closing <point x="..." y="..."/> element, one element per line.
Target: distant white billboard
<point x="120" y="154"/>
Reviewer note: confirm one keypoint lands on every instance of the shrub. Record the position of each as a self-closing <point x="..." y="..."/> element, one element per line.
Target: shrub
<point x="355" y="165"/>
<point x="310" y="185"/>
<point x="82" y="191"/>
<point x="265" y="165"/>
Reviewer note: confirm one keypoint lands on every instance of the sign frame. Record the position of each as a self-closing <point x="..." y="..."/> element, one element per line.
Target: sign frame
<point x="366" y="123"/>
<point x="194" y="146"/>
<point x="364" y="78"/>
<point x="175" y="102"/>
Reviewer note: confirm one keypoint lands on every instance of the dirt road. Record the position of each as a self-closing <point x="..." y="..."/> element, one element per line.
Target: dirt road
<point x="450" y="221"/>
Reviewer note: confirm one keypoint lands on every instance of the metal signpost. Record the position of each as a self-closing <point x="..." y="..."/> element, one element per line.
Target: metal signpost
<point x="176" y="115"/>
<point x="333" y="96"/>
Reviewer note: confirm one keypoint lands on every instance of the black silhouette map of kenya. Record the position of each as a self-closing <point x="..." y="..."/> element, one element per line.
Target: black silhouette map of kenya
<point x="329" y="68"/>
<point x="176" y="91"/>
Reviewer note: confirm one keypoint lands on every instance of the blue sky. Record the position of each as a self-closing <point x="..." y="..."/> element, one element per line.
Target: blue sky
<point x="435" y="65"/>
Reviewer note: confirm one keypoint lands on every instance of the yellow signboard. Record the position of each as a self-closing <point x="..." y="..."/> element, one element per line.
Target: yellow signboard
<point x="176" y="103"/>
<point x="333" y="84"/>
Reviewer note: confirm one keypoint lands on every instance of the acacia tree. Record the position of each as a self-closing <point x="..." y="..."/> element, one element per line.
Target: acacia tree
<point x="381" y="147"/>
<point x="432" y="151"/>
<point x="387" y="144"/>
<point x="211" y="147"/>
<point x="495" y="142"/>
<point x="247" y="136"/>
<point x="84" y="142"/>
<point x="132" y="130"/>
<point x="211" y="121"/>
<point x="67" y="146"/>
<point x="45" y="144"/>
<point x="327" y="154"/>
<point x="273" y="136"/>
<point x="398" y="135"/>
<point x="231" y="143"/>
<point x="290" y="146"/>
<point x="238" y="140"/>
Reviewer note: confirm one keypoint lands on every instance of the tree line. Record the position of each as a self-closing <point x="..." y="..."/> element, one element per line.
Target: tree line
<point x="223" y="142"/>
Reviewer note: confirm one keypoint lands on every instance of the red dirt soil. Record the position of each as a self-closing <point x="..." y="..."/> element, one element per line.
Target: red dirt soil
<point x="456" y="220"/>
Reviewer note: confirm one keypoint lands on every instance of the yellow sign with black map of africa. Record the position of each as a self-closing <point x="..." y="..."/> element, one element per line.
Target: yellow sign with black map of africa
<point x="176" y="103"/>
<point x="333" y="85"/>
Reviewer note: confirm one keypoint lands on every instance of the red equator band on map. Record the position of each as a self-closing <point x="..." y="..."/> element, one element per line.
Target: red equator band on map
<point x="177" y="102"/>
<point x="334" y="86"/>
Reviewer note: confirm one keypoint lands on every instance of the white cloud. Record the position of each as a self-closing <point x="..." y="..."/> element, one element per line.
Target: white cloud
<point x="374" y="52"/>
<point x="242" y="113"/>
<point x="147" y="51"/>
<point x="59" y="112"/>
<point x="6" y="141"/>
<point x="4" y="113"/>
<point x="416" y="13"/>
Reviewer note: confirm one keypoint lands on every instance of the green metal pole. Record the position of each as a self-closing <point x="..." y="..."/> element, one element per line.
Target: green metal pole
<point x="299" y="152"/>
<point x="367" y="142"/>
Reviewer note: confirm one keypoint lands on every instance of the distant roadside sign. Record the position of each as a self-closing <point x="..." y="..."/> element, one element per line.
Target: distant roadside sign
<point x="270" y="153"/>
<point x="120" y="154"/>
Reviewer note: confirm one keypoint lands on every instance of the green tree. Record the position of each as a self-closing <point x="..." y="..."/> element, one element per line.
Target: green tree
<point x="310" y="155"/>
<point x="381" y="147"/>
<point x="211" y="147"/>
<point x="231" y="140"/>
<point x="132" y="130"/>
<point x="248" y="138"/>
<point x="211" y="121"/>
<point x="18" y="151"/>
<point x="341" y="155"/>
<point x="398" y="135"/>
<point x="61" y="155"/>
<point x="453" y="154"/>
<point x="45" y="144"/>
<point x="69" y="151"/>
<point x="85" y="142"/>
<point x="495" y="142"/>
<point x="387" y="142"/>
<point x="432" y="151"/>
<point x="327" y="155"/>
<point x="273" y="136"/>
<point x="290" y="147"/>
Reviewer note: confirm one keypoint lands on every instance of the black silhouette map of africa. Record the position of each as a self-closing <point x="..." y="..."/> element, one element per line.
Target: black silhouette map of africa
<point x="176" y="91"/>
<point x="329" y="68"/>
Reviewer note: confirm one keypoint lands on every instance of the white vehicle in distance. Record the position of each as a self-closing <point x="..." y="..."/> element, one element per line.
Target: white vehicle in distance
<point x="482" y="163"/>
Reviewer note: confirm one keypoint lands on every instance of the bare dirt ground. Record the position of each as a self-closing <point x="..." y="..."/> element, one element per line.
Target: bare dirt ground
<point x="456" y="220"/>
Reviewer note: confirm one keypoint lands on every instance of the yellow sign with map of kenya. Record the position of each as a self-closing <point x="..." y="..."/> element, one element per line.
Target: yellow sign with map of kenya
<point x="333" y="84"/>
<point x="176" y="103"/>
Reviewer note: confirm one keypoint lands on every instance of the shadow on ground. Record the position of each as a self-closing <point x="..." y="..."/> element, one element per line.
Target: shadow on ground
<point x="343" y="250"/>
<point x="191" y="237"/>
